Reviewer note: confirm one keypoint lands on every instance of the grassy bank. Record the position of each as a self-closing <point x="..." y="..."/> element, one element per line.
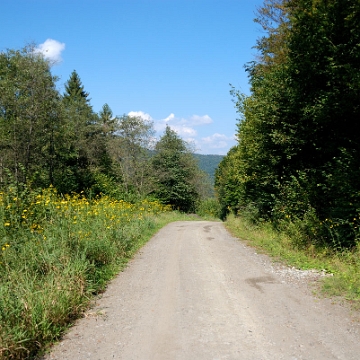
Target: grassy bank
<point x="56" y="253"/>
<point x="344" y="264"/>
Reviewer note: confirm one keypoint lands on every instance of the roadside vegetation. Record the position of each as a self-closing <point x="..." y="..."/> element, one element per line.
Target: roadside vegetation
<point x="58" y="251"/>
<point x="298" y="156"/>
<point x="209" y="209"/>
<point x="291" y="184"/>
<point x="80" y="192"/>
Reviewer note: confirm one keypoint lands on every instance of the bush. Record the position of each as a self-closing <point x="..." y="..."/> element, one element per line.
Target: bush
<point x="209" y="208"/>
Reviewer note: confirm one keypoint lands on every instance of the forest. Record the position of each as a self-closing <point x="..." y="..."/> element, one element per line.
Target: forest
<point x="48" y="138"/>
<point x="297" y="161"/>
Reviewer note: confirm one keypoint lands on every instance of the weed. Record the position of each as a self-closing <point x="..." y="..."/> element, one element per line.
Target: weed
<point x="55" y="253"/>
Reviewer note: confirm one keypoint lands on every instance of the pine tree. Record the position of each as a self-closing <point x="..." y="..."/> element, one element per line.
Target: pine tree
<point x="176" y="172"/>
<point x="101" y="141"/>
<point x="74" y="91"/>
<point x="77" y="154"/>
<point x="106" y="121"/>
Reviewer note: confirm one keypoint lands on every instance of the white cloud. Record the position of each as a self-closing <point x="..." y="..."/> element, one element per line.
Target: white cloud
<point x="169" y="118"/>
<point x="196" y="120"/>
<point x="51" y="50"/>
<point x="216" y="143"/>
<point x="186" y="128"/>
<point x="215" y="137"/>
<point x="183" y="127"/>
<point x="183" y="130"/>
<point x="141" y="114"/>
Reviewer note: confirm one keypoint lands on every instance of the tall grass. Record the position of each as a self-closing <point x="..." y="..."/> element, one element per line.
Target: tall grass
<point x="55" y="253"/>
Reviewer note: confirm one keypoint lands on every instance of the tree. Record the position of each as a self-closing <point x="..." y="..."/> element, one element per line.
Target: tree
<point x="176" y="172"/>
<point x="105" y="179"/>
<point x="31" y="120"/>
<point x="273" y="17"/>
<point x="324" y="73"/>
<point x="107" y="121"/>
<point x="104" y="133"/>
<point x="227" y="184"/>
<point x="299" y="147"/>
<point x="75" y="93"/>
<point x="130" y="150"/>
<point x="78" y="154"/>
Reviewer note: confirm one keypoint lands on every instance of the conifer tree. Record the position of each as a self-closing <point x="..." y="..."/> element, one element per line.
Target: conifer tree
<point x="102" y="141"/>
<point x="106" y="121"/>
<point x="176" y="172"/>
<point x="80" y="128"/>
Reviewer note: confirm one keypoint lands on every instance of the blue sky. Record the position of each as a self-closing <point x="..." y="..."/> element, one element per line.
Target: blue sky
<point x="170" y="61"/>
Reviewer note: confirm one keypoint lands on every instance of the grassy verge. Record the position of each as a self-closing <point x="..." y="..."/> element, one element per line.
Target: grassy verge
<point x="56" y="253"/>
<point x="344" y="265"/>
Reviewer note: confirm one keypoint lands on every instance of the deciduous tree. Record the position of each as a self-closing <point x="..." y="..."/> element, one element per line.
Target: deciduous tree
<point x="299" y="147"/>
<point x="31" y="121"/>
<point x="130" y="149"/>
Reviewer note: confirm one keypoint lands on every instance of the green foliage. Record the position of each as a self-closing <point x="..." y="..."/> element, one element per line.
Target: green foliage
<point x="227" y="183"/>
<point x="130" y="150"/>
<point x="176" y="172"/>
<point x="105" y="185"/>
<point x="31" y="119"/>
<point x="209" y="208"/>
<point x="77" y="153"/>
<point x="107" y="121"/>
<point x="298" y="153"/>
<point x="56" y="252"/>
<point x="75" y="93"/>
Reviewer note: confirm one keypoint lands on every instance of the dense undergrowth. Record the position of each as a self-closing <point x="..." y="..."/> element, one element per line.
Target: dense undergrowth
<point x="209" y="209"/>
<point x="57" y="252"/>
<point x="284" y="245"/>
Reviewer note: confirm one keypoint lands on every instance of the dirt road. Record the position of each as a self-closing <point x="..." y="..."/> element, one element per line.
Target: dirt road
<point x="194" y="292"/>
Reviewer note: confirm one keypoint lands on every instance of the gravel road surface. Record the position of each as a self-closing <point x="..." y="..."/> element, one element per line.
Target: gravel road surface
<point x="195" y="292"/>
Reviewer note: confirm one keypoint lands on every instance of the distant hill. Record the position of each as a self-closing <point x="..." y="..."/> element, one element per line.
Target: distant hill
<point x="209" y="163"/>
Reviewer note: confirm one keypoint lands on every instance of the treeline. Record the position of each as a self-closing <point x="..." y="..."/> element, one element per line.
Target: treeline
<point x="298" y="155"/>
<point x="48" y="138"/>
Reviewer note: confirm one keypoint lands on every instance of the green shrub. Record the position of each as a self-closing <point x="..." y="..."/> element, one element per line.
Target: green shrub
<point x="209" y="208"/>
